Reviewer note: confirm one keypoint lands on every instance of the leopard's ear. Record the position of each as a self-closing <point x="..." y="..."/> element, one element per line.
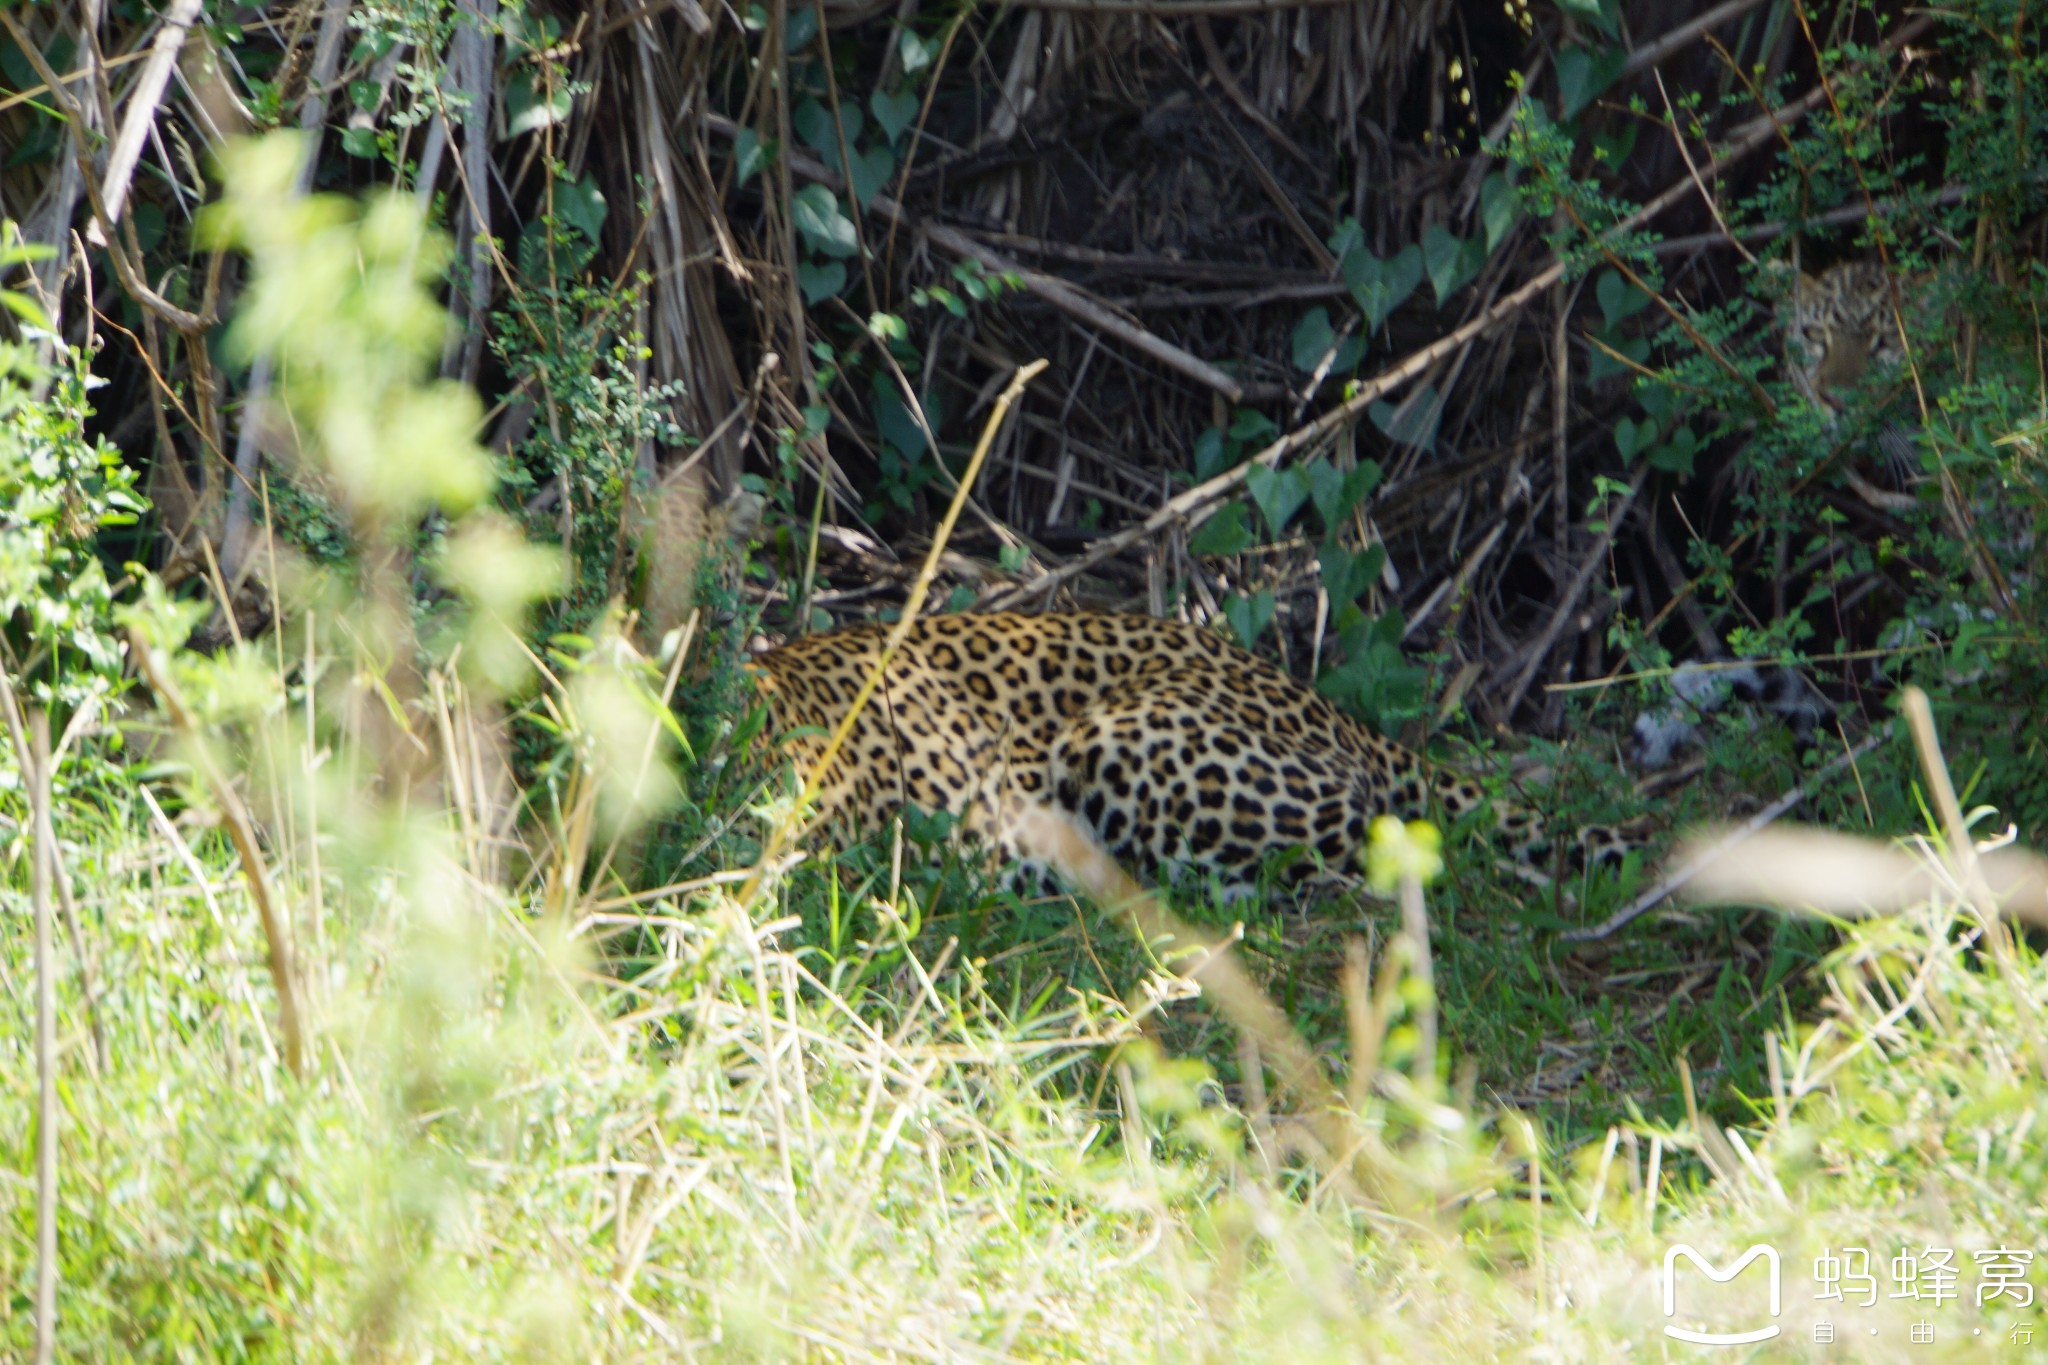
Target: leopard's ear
<point x="1785" y="286"/>
<point x="737" y="519"/>
<point x="1785" y="274"/>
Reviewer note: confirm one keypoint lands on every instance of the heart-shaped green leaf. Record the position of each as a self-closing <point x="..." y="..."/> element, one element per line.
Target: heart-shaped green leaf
<point x="1403" y="273"/>
<point x="1632" y="437"/>
<point x="1583" y="76"/>
<point x="580" y="204"/>
<point x="1602" y="364"/>
<point x="815" y="129"/>
<point x="1313" y="337"/>
<point x="1336" y="492"/>
<point x="871" y="171"/>
<point x="1315" y="342"/>
<point x="1248" y="616"/>
<point x="1382" y="286"/>
<point x="800" y="30"/>
<point x="817" y="215"/>
<point x="1618" y="298"/>
<point x="750" y="154"/>
<point x="1604" y="15"/>
<point x="1249" y="426"/>
<point x="1659" y="399"/>
<point x="895" y="421"/>
<point x="820" y="282"/>
<point x="1326" y="489"/>
<point x="1676" y="455"/>
<point x="1346" y="576"/>
<point x="1278" y="492"/>
<point x="917" y="53"/>
<point x="893" y="112"/>
<point x="529" y="106"/>
<point x="1451" y="261"/>
<point x="813" y="124"/>
<point x="1222" y="534"/>
<point x="1499" y="207"/>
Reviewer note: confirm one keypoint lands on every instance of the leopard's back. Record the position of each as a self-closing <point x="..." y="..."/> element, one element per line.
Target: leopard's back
<point x="1178" y="749"/>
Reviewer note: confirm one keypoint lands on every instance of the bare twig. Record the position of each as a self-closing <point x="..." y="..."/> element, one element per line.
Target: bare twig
<point x="1656" y="50"/>
<point x="189" y="323"/>
<point x="1076" y="304"/>
<point x="1642" y="59"/>
<point x="1220" y="69"/>
<point x="35" y="92"/>
<point x="1569" y="601"/>
<point x="1685" y="154"/>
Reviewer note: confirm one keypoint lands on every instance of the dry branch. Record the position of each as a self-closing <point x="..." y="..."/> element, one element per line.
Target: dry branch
<point x="1569" y="602"/>
<point x="142" y="107"/>
<point x="128" y="271"/>
<point x="1662" y="46"/>
<point x="1056" y="292"/>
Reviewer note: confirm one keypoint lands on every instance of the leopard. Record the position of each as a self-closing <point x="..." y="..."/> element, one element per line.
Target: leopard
<point x="1846" y="329"/>
<point x="1860" y="323"/>
<point x="1841" y="326"/>
<point x="1182" y="754"/>
<point x="1839" y="329"/>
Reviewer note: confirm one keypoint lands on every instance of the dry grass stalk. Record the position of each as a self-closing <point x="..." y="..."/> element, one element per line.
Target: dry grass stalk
<point x="241" y="827"/>
<point x="45" y="837"/>
<point x="785" y="830"/>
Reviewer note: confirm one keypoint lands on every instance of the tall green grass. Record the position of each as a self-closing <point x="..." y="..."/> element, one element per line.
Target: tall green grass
<point x="500" y="1151"/>
<point x="532" y="1118"/>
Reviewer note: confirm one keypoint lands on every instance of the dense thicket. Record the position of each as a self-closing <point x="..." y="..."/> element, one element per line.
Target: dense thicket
<point x="802" y="245"/>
